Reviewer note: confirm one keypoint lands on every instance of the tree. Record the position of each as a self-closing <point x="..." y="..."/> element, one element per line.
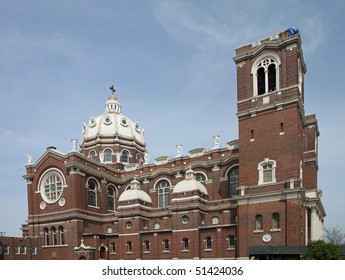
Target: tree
<point x="335" y="235"/>
<point x="320" y="250"/>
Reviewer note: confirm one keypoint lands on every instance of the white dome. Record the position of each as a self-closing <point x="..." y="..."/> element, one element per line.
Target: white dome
<point x="113" y="123"/>
<point x="189" y="184"/>
<point x="135" y="193"/>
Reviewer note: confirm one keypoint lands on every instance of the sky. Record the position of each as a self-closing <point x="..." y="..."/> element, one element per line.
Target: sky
<point x="171" y="63"/>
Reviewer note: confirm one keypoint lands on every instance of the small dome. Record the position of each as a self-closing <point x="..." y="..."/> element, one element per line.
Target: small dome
<point x="135" y="193"/>
<point x="190" y="184"/>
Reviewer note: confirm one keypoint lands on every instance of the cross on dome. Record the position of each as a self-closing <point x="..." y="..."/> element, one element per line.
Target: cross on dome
<point x="113" y="90"/>
<point x="112" y="104"/>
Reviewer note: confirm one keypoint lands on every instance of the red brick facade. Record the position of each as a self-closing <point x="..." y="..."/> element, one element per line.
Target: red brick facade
<point x="256" y="197"/>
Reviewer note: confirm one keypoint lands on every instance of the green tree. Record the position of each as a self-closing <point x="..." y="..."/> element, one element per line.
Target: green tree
<point x="320" y="250"/>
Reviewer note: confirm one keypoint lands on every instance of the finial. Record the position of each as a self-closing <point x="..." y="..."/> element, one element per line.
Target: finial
<point x="113" y="90"/>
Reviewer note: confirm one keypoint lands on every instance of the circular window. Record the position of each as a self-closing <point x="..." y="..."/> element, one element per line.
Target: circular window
<point x="51" y="186"/>
<point x="185" y="220"/>
<point x="107" y="120"/>
<point x="124" y="122"/>
<point x="92" y="122"/>
<point x="137" y="127"/>
<point x="215" y="220"/>
<point x="129" y="225"/>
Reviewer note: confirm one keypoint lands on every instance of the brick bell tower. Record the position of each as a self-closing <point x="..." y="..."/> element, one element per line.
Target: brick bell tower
<point x="279" y="205"/>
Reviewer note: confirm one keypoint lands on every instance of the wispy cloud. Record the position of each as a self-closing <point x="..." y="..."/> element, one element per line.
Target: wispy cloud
<point x="191" y="25"/>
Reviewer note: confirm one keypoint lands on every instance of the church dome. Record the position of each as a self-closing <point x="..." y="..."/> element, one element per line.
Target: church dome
<point x="112" y="123"/>
<point x="135" y="193"/>
<point x="190" y="184"/>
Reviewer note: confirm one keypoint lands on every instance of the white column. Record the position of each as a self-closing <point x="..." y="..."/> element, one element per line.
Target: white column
<point x="320" y="228"/>
<point x="314" y="224"/>
<point x="306" y="226"/>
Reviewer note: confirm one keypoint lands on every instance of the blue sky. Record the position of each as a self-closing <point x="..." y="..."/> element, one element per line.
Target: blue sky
<point x="171" y="63"/>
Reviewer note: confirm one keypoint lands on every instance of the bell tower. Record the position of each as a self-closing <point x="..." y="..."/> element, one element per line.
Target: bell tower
<point x="277" y="141"/>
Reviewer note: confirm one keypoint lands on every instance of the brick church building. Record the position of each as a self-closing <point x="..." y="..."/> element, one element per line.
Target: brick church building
<point x="255" y="198"/>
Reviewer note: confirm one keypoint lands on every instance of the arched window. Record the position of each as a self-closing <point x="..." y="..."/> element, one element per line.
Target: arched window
<point x="261" y="80"/>
<point x="111" y="198"/>
<point x="146" y="246"/>
<point x="108" y="155"/>
<point x="275" y="221"/>
<point x="265" y="74"/>
<point x="272" y="84"/>
<point x="102" y="252"/>
<point x="208" y="241"/>
<point x="113" y="248"/>
<point x="54" y="236"/>
<point x="200" y="177"/>
<point x="125" y="156"/>
<point x="92" y="155"/>
<point x="129" y="247"/>
<point x="33" y="251"/>
<point x="23" y="250"/>
<point x="267" y="172"/>
<point x="92" y="192"/>
<point x="163" y="193"/>
<point x="234" y="181"/>
<point x="258" y="222"/>
<point x="6" y="249"/>
<point x="185" y="244"/>
<point x="61" y="235"/>
<point x="165" y="245"/>
<point x="46" y="237"/>
<point x="231" y="240"/>
<point x="139" y="159"/>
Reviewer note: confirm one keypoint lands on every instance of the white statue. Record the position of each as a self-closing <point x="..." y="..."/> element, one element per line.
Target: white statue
<point x="179" y="150"/>
<point x="28" y="159"/>
<point x="74" y="145"/>
<point x="101" y="156"/>
<point x="118" y="156"/>
<point x="216" y="140"/>
<point x="146" y="157"/>
<point x="84" y="128"/>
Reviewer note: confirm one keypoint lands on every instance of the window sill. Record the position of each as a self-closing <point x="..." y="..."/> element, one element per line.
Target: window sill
<point x="266" y="183"/>
<point x="258" y="231"/>
<point x="185" y="251"/>
<point x="275" y="230"/>
<point x="207" y="250"/>
<point x="54" y="246"/>
<point x="231" y="249"/>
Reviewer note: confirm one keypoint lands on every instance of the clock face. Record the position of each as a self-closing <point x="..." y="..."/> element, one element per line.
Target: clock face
<point x="266" y="238"/>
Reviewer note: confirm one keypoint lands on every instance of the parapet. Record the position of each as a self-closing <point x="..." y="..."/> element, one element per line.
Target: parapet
<point x="267" y="40"/>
